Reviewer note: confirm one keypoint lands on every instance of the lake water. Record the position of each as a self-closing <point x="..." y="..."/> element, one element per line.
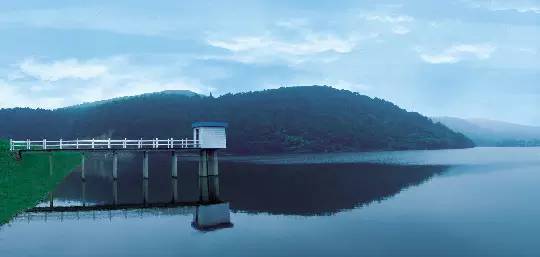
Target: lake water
<point x="472" y="202"/>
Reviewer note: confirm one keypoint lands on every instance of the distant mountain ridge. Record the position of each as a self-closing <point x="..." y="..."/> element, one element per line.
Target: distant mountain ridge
<point x="289" y="119"/>
<point x="165" y="92"/>
<point x="486" y="132"/>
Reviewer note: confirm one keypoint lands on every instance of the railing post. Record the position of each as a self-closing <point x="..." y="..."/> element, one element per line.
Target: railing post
<point x="44" y="144"/>
<point x="92" y="143"/>
<point x="125" y="143"/>
<point x="172" y="142"/>
<point x="109" y="144"/>
<point x="77" y="143"/>
<point x="61" y="144"/>
<point x="27" y="144"/>
<point x="11" y="144"/>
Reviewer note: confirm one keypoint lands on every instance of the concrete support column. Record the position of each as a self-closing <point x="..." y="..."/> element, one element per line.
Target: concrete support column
<point x="145" y="165"/>
<point x="174" y="165"/>
<point x="203" y="163"/>
<point x="83" y="175"/>
<point x="115" y="166"/>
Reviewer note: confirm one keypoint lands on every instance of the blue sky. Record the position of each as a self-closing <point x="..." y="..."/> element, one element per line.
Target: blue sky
<point x="464" y="58"/>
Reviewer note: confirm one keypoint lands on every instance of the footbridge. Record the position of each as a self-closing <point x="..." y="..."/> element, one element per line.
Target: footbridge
<point x="208" y="137"/>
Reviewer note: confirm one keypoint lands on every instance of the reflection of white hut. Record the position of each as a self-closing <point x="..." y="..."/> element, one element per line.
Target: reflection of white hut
<point x="212" y="216"/>
<point x="211" y="135"/>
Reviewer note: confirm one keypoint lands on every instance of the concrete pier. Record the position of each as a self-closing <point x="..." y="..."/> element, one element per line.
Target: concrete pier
<point x="208" y="163"/>
<point x="145" y="165"/>
<point x="174" y="165"/>
<point x="115" y="166"/>
<point x="203" y="163"/>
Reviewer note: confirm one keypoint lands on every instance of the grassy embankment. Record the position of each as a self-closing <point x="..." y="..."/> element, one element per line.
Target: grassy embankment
<point x="24" y="183"/>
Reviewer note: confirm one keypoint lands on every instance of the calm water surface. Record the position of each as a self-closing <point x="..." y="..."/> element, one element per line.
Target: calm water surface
<point x="474" y="202"/>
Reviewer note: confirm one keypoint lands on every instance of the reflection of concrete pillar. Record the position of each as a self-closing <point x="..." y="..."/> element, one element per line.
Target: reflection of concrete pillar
<point x="145" y="165"/>
<point x="83" y="192"/>
<point x="212" y="163"/>
<point x="203" y="189"/>
<point x="115" y="192"/>
<point x="203" y="163"/>
<point x="83" y="175"/>
<point x="115" y="166"/>
<point x="174" y="183"/>
<point x="174" y="165"/>
<point x="145" y="191"/>
<point x="51" y="204"/>
<point x="50" y="165"/>
<point x="213" y="190"/>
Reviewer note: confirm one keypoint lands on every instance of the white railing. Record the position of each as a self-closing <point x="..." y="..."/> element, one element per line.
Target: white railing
<point x="88" y="144"/>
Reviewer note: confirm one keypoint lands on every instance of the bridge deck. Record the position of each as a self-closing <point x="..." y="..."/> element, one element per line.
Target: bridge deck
<point x="104" y="145"/>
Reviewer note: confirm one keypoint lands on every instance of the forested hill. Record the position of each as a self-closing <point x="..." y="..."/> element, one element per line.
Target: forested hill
<point x="291" y="119"/>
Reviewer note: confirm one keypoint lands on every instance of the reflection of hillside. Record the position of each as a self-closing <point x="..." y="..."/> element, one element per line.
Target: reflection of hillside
<point x="300" y="189"/>
<point x="316" y="189"/>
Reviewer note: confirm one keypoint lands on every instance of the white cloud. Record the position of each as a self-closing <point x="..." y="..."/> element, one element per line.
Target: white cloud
<point x="312" y="44"/>
<point x="401" y="30"/>
<point x="459" y="52"/>
<point x="60" y="83"/>
<point x="397" y="22"/>
<point x="389" y="18"/>
<point x="62" y="69"/>
<point x="521" y="6"/>
<point x="13" y="96"/>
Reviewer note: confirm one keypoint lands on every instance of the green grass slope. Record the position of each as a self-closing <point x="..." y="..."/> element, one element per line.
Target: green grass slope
<point x="24" y="183"/>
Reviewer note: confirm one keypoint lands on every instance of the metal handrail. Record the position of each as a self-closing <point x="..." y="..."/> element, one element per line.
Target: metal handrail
<point x="85" y="144"/>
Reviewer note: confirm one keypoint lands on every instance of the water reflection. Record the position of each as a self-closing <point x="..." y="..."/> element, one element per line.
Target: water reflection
<point x="209" y="212"/>
<point x="473" y="210"/>
<point x="308" y="189"/>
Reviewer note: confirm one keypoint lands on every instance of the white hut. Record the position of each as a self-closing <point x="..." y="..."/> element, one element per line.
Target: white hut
<point x="211" y="135"/>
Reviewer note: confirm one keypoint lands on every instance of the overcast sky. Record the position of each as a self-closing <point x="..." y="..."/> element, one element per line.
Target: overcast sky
<point x="463" y="58"/>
